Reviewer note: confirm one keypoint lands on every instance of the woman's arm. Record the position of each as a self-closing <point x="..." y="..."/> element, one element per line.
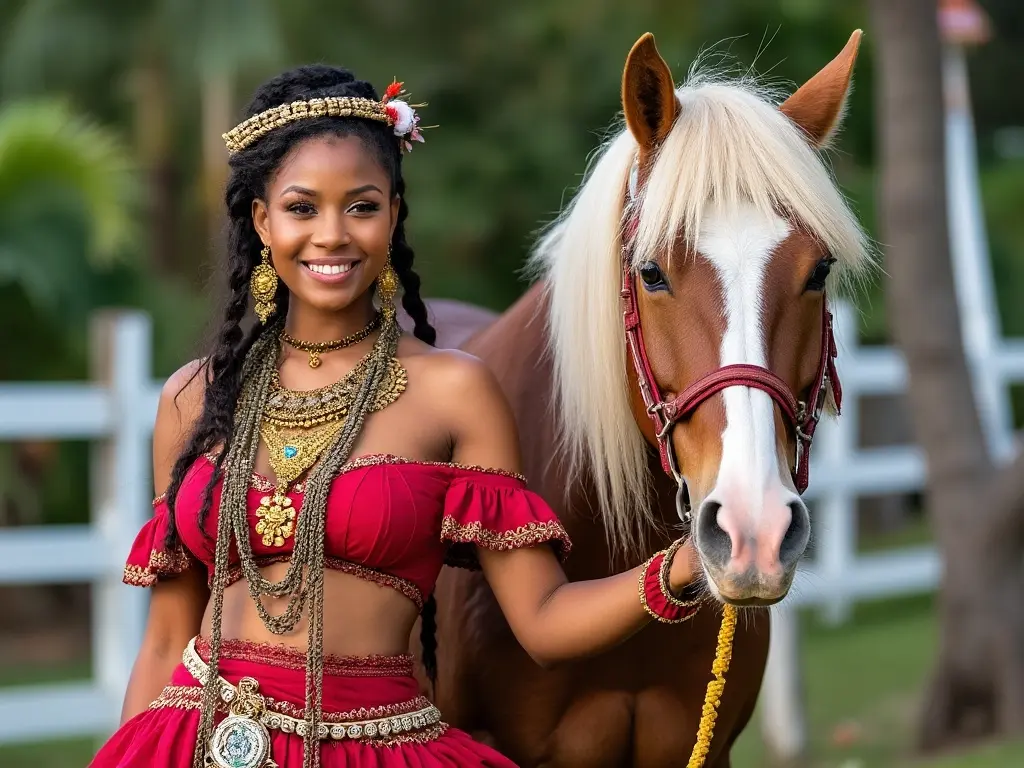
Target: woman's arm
<point x="176" y="604"/>
<point x="554" y="620"/>
<point x="175" y="615"/>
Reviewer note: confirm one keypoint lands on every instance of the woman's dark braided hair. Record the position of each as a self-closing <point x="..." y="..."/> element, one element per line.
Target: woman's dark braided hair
<point x="251" y="172"/>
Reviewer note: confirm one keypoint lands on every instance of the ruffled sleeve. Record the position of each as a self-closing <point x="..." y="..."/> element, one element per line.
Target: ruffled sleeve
<point x="150" y="559"/>
<point x="498" y="512"/>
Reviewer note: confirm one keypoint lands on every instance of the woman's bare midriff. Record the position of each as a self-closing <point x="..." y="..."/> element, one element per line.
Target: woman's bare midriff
<point x="361" y="618"/>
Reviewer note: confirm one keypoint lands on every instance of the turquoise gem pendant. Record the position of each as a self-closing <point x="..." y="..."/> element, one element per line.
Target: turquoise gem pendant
<point x="290" y="451"/>
<point x="240" y="742"/>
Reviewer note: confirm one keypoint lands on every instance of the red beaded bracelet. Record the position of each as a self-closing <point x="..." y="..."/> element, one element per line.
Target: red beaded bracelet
<point x="655" y="594"/>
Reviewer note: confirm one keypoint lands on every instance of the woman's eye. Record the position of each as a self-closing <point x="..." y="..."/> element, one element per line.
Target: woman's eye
<point x="303" y="209"/>
<point x="653" y="279"/>
<point x="820" y="274"/>
<point x="364" y="208"/>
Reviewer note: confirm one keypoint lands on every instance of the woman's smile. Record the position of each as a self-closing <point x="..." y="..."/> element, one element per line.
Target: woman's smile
<point x="330" y="270"/>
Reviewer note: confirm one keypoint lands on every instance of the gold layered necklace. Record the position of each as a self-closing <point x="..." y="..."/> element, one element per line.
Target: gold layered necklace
<point x="375" y="382"/>
<point x="298" y="426"/>
<point x="317" y="348"/>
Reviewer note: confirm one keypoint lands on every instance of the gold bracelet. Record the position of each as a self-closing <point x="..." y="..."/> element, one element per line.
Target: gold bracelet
<point x="663" y="580"/>
<point x="653" y="596"/>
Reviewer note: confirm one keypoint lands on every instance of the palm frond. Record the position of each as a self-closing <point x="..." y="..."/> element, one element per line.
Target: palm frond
<point x="44" y="145"/>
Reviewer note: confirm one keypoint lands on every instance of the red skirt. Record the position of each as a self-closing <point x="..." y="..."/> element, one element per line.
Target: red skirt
<point x="354" y="689"/>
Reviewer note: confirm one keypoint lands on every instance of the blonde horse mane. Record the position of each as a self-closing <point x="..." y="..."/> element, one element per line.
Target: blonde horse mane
<point x="729" y="145"/>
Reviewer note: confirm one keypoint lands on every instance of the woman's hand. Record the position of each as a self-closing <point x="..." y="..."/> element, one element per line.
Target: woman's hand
<point x="685" y="568"/>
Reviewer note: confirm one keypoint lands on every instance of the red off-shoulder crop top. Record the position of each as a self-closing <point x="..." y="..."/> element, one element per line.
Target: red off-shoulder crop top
<point x="390" y="520"/>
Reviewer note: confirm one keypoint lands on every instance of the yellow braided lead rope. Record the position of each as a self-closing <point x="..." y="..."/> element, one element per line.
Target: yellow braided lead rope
<point x="713" y="697"/>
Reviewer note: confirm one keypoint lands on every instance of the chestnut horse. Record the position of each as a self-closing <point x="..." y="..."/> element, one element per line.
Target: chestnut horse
<point x="712" y="214"/>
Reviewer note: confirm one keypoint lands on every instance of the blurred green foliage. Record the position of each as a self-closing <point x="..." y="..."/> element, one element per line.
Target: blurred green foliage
<point x="129" y="213"/>
<point x="110" y="158"/>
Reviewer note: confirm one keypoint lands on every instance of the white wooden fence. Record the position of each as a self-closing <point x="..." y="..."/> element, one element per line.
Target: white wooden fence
<point x="116" y="411"/>
<point x="842" y="472"/>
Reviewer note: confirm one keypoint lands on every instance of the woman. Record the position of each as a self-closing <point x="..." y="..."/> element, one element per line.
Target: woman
<point x="294" y="598"/>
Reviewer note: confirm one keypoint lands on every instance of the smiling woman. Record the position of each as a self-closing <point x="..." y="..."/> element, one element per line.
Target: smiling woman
<point x="328" y="219"/>
<point x="316" y="471"/>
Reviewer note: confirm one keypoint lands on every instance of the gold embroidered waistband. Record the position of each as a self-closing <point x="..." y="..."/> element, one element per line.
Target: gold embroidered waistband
<point x="286" y="657"/>
<point x="380" y="722"/>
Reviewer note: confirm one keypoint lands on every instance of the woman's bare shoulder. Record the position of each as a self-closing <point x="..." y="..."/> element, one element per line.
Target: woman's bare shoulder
<point x="179" y="409"/>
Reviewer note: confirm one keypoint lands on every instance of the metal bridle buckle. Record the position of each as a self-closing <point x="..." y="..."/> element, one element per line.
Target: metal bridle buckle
<point x="819" y="404"/>
<point x="658" y="411"/>
<point x="683" y="509"/>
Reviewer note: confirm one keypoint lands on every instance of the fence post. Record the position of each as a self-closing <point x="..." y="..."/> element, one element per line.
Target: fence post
<point x="783" y="715"/>
<point x="121" y="491"/>
<point x="835" y="520"/>
<point x="972" y="266"/>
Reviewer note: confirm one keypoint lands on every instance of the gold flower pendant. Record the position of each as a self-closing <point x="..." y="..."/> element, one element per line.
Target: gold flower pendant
<point x="277" y="519"/>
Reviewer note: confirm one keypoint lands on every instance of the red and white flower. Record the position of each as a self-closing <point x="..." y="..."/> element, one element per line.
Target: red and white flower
<point x="402" y="115"/>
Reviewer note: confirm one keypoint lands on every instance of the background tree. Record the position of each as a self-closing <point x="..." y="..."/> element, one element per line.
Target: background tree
<point x="977" y="688"/>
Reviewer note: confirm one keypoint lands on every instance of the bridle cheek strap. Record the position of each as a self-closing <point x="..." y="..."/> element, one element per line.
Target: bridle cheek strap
<point x="801" y="416"/>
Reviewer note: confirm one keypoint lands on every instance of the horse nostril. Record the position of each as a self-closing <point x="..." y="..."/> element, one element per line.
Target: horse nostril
<point x="714" y="542"/>
<point x="797" y="535"/>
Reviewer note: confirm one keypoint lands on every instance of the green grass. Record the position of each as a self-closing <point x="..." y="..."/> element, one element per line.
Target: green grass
<point x="994" y="756"/>
<point x="36" y="674"/>
<point x="915" y="533"/>
<point x="863" y="685"/>
<point x="66" y="753"/>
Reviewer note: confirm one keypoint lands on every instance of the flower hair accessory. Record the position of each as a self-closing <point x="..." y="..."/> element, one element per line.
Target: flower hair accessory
<point x="403" y="117"/>
<point x="391" y="109"/>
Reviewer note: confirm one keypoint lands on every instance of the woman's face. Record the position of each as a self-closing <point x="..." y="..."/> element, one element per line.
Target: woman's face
<point x="328" y="217"/>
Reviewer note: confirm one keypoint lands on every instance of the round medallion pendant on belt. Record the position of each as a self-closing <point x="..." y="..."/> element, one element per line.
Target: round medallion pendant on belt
<point x="240" y="742"/>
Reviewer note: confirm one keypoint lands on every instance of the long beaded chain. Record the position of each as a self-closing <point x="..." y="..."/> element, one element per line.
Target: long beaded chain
<point x="299" y="426"/>
<point x="308" y="554"/>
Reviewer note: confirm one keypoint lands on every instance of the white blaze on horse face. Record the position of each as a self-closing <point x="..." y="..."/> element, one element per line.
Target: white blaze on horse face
<point x="740" y="242"/>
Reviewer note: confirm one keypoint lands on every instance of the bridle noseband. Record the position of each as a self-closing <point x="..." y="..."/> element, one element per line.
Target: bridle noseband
<point x="801" y="415"/>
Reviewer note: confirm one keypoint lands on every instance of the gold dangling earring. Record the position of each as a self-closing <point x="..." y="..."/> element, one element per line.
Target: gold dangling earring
<point x="263" y="284"/>
<point x="387" y="287"/>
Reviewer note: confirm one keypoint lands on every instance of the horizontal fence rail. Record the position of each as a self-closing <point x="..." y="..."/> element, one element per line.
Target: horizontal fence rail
<point x="116" y="410"/>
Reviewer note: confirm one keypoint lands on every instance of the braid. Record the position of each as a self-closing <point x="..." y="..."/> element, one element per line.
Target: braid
<point x="401" y="259"/>
<point x="223" y="368"/>
<point x="428" y="639"/>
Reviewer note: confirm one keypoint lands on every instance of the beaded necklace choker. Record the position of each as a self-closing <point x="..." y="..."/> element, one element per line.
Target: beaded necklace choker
<point x="317" y="348"/>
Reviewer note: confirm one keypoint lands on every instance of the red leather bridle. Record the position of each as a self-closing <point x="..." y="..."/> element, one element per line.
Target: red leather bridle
<point x="801" y="415"/>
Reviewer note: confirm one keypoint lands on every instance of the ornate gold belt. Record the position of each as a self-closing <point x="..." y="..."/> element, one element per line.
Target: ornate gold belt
<point x="242" y="740"/>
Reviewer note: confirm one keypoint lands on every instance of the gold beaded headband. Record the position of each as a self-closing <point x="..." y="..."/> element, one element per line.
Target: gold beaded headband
<point x="398" y="114"/>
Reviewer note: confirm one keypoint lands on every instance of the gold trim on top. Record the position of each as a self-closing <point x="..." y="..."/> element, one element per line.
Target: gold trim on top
<point x="264" y="484"/>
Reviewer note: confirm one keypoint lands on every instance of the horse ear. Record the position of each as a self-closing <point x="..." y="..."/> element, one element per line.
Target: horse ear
<point x="817" y="106"/>
<point x="648" y="94"/>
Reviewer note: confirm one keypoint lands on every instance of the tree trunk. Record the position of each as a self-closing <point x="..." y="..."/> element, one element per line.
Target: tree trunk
<point x="977" y="688"/>
<point x="216" y="119"/>
<point x="153" y="141"/>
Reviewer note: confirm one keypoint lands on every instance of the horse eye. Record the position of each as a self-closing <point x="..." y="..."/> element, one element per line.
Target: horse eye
<point x="817" y="280"/>
<point x="652" y="277"/>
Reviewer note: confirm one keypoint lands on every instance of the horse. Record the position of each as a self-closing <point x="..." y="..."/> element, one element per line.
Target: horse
<point x="667" y="369"/>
